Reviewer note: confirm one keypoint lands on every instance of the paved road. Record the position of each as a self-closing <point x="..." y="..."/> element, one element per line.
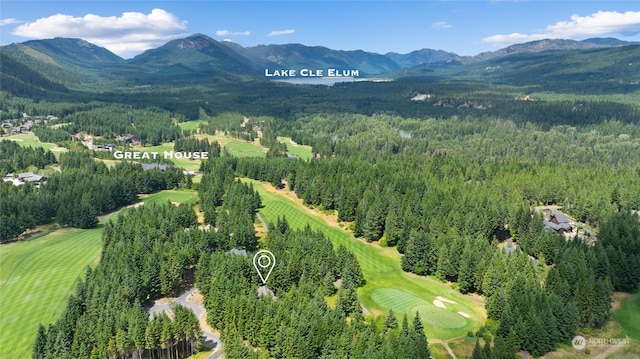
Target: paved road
<point x="211" y="340"/>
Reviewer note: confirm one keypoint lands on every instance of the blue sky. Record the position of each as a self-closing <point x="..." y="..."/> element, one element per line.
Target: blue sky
<point x="464" y="27"/>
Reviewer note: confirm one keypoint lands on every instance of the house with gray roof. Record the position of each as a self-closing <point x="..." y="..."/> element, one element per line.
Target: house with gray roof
<point x="558" y="222"/>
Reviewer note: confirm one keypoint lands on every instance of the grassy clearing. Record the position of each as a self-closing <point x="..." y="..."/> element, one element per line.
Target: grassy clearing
<point x="387" y="287"/>
<point x="438" y="351"/>
<point x="240" y="148"/>
<point x="237" y="147"/>
<point x="463" y="347"/>
<point x="31" y="140"/>
<point x="181" y="196"/>
<point x="629" y="315"/>
<point x="293" y="148"/>
<point x="191" y="125"/>
<point x="37" y="276"/>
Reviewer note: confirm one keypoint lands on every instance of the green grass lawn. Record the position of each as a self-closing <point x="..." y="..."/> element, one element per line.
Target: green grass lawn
<point x="387" y="287"/>
<point x="240" y="148"/>
<point x="463" y="348"/>
<point x="37" y="276"/>
<point x="629" y="316"/>
<point x="192" y="125"/>
<point x="31" y="140"/>
<point x="181" y="196"/>
<point x="237" y="147"/>
<point x="293" y="148"/>
<point x="438" y="351"/>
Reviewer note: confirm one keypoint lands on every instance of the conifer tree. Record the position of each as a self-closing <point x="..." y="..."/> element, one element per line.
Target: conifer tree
<point x="391" y="323"/>
<point x="477" y="351"/>
<point x="420" y="345"/>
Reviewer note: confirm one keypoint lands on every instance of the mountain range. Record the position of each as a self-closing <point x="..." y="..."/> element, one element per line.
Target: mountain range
<point x="64" y="63"/>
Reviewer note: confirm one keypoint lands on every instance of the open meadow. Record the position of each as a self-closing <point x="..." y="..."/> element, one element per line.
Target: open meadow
<point x="445" y="313"/>
<point x="37" y="276"/>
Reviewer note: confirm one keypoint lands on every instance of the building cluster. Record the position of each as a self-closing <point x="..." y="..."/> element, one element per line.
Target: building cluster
<point x="25" y="124"/>
<point x="24" y="177"/>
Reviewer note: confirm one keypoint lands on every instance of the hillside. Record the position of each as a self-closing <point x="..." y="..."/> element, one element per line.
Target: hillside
<point x="419" y="57"/>
<point x="296" y="56"/>
<point x="601" y="70"/>
<point x="75" y="63"/>
<point x="197" y="53"/>
<point x="21" y="80"/>
<point x="547" y="45"/>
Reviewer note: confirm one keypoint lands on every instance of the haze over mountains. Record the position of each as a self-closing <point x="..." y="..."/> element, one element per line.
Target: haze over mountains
<point x="198" y="59"/>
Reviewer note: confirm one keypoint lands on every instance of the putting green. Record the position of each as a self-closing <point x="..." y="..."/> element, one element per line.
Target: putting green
<point x="405" y="303"/>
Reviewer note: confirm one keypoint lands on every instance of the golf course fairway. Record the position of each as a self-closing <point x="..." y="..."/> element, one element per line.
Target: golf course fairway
<point x="445" y="313"/>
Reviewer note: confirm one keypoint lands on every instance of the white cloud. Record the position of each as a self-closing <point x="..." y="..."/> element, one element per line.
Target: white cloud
<point x="232" y="33"/>
<point x="441" y="25"/>
<point x="126" y="35"/>
<point x="281" y="32"/>
<point x="597" y="24"/>
<point x="9" y="21"/>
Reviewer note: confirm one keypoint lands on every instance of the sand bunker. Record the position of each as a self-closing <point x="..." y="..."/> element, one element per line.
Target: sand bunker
<point x="442" y="299"/>
<point x="438" y="303"/>
<point x="464" y="314"/>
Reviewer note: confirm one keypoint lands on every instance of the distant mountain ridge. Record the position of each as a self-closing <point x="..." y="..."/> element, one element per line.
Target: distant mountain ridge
<point x="547" y="45"/>
<point x="419" y="57"/>
<point x="296" y="56"/>
<point x="75" y="64"/>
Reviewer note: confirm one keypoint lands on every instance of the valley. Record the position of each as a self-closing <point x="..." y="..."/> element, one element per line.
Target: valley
<point x="388" y="204"/>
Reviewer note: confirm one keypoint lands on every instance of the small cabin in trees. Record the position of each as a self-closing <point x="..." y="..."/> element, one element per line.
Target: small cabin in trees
<point x="237" y="252"/>
<point x="558" y="222"/>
